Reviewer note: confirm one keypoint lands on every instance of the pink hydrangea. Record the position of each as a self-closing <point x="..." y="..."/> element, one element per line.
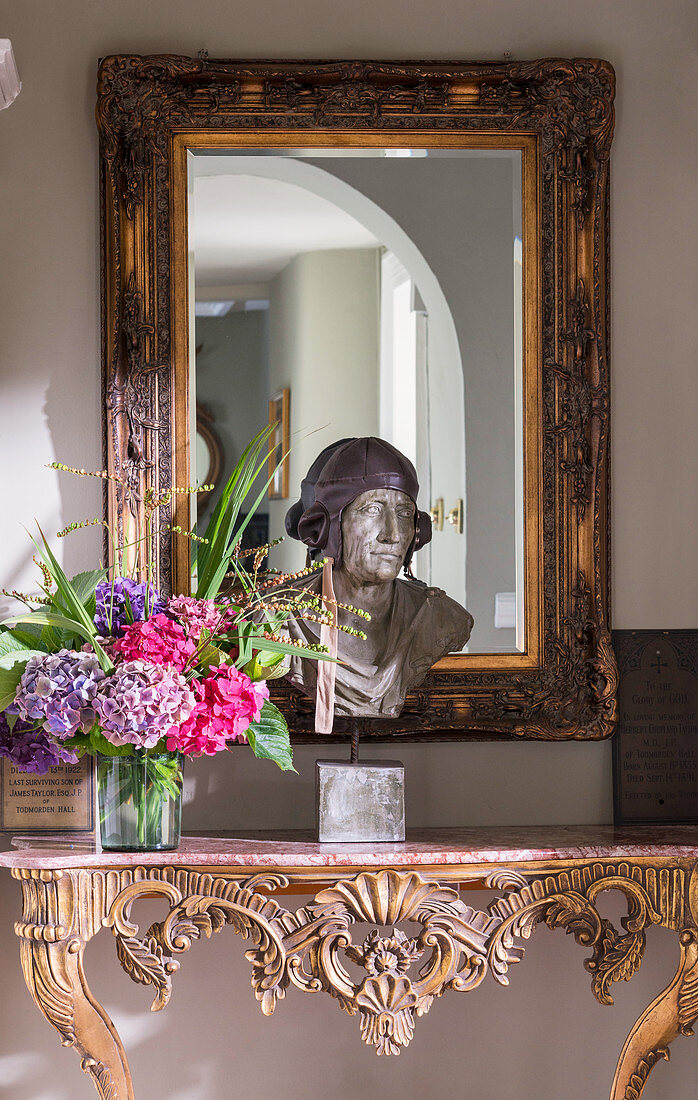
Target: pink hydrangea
<point x="197" y="615"/>
<point x="159" y="640"/>
<point x="227" y="703"/>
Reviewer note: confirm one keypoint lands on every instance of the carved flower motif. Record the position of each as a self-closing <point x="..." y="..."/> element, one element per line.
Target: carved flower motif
<point x="389" y="956"/>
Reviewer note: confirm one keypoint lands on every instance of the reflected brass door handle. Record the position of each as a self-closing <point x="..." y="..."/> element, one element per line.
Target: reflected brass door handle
<point x="455" y="516"/>
<point x="437" y="514"/>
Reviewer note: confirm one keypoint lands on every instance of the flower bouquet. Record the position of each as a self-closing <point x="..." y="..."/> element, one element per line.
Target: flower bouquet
<point x="109" y="666"/>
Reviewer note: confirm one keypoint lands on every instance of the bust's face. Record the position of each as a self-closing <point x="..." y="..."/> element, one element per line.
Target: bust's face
<point x="377" y="529"/>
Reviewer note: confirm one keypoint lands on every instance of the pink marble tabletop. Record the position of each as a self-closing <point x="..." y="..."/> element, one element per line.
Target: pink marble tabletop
<point x="288" y="849"/>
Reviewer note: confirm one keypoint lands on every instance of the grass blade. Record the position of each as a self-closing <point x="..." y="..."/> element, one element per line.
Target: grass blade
<point x="213" y="556"/>
<point x="225" y="557"/>
<point x="70" y="598"/>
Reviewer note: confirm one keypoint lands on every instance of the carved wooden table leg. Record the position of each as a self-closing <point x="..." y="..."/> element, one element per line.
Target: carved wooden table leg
<point x="53" y="934"/>
<point x="670" y="1014"/>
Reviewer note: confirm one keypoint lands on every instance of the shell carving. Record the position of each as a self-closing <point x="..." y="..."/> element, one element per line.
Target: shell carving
<point x="386" y="897"/>
<point x="454" y="948"/>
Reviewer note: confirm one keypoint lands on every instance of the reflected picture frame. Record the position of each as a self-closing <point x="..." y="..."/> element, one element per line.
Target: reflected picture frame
<point x="153" y="111"/>
<point x="279" y="444"/>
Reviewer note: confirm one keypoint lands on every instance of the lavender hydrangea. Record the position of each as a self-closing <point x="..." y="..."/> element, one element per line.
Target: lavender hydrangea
<point x="29" y="749"/>
<point x="123" y="602"/>
<point x="140" y="703"/>
<point x="58" y="689"/>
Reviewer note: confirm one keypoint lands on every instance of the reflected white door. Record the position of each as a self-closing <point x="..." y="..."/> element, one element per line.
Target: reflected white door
<point x="422" y="414"/>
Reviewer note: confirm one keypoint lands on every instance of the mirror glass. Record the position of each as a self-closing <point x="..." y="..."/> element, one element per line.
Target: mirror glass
<point x="372" y="291"/>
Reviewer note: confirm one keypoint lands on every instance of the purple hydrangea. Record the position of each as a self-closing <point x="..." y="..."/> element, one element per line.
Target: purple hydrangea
<point x="29" y="749"/>
<point x="123" y="602"/>
<point x="140" y="703"/>
<point x="58" y="689"/>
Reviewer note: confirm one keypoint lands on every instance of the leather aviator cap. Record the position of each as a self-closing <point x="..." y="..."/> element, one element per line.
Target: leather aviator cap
<point x="354" y="467"/>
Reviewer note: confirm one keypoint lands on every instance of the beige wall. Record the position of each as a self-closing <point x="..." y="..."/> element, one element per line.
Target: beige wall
<point x="544" y="1037"/>
<point x="232" y="360"/>
<point x="327" y="359"/>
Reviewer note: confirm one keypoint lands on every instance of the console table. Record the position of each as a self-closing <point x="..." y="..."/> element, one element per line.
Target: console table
<point x="540" y="875"/>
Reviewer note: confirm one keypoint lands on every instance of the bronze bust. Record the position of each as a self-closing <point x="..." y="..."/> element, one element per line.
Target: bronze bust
<point x="358" y="508"/>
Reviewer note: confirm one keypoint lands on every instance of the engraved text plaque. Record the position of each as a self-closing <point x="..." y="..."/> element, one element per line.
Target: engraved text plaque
<point x="655" y="750"/>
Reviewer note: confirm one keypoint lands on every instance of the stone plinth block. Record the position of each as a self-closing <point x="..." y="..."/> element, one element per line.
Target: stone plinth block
<point x="360" y="802"/>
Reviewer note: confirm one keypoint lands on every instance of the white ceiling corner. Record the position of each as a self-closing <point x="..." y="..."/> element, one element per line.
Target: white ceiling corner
<point x="247" y="228"/>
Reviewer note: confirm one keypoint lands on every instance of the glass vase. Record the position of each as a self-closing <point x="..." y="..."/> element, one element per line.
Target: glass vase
<point x="140" y="801"/>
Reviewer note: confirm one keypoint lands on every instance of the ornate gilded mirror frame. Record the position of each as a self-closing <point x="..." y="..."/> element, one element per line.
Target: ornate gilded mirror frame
<point x="559" y="113"/>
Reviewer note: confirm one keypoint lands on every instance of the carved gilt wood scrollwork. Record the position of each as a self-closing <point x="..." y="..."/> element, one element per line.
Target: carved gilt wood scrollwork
<point x="423" y="941"/>
<point x="455" y="947"/>
<point x="150" y="109"/>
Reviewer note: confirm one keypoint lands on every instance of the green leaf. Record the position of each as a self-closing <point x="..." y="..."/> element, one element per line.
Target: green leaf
<point x="9" y="679"/>
<point x="29" y="638"/>
<point x="247" y="632"/>
<point x="84" y="585"/>
<point x="231" y="491"/>
<point x="80" y="743"/>
<point x="166" y="776"/>
<point x="13" y="643"/>
<point x="37" y="635"/>
<point x="210" y="656"/>
<point x="47" y="618"/>
<point x="10" y="659"/>
<point x="266" y="666"/>
<point x="76" y="613"/>
<point x="54" y="640"/>
<point x="269" y="738"/>
<point x="267" y="658"/>
<point x="99" y="743"/>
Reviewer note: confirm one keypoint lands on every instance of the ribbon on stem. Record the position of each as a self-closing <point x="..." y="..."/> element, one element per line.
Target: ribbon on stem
<point x="327" y="670"/>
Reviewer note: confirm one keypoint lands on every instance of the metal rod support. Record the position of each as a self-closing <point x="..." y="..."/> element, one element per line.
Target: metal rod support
<point x="355" y="734"/>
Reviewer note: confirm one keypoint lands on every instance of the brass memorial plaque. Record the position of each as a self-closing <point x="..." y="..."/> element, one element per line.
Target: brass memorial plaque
<point x="60" y="801"/>
<point x="655" y="749"/>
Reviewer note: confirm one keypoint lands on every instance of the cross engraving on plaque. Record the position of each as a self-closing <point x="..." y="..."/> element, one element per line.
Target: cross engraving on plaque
<point x="659" y="664"/>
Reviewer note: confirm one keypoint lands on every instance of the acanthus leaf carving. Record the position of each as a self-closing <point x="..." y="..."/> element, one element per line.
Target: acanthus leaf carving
<point x="576" y="692"/>
<point x="615" y="957"/>
<point x="574" y="98"/>
<point x="580" y="403"/>
<point x="457" y="946"/>
<point x="44" y="972"/>
<point x="143" y="962"/>
<point x="354" y="90"/>
<point x="102" y="1078"/>
<point x="135" y="96"/>
<point x="638" y="1079"/>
